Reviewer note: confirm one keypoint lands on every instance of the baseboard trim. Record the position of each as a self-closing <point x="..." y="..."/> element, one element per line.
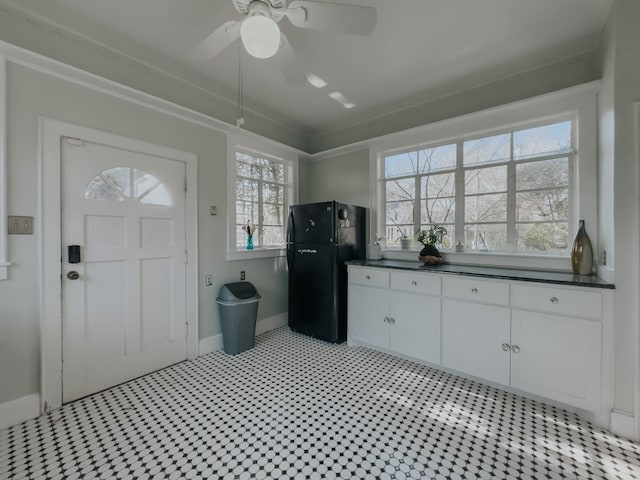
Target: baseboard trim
<point x="19" y="410"/>
<point x="623" y="424"/>
<point x="214" y="342"/>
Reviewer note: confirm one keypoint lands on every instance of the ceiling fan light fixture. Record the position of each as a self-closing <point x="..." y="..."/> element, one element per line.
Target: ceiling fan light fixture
<point x="260" y="36"/>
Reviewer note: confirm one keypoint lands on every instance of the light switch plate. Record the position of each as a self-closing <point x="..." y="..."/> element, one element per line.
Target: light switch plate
<point x="20" y="225"/>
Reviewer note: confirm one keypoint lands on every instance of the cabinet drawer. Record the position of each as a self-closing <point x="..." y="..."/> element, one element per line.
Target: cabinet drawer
<point x="476" y="290"/>
<point x="373" y="277"/>
<point x="557" y="301"/>
<point x="416" y="282"/>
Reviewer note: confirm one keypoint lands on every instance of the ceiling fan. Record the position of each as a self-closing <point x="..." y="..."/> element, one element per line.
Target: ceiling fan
<point x="261" y="35"/>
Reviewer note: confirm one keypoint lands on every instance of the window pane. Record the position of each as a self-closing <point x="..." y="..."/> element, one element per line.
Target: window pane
<point x="439" y="185"/>
<point x="157" y="196"/>
<point x="241" y="237"/>
<point x="486" y="208"/>
<point x="272" y="214"/>
<point x="400" y="213"/>
<point x="99" y="189"/>
<point x="439" y="210"/>
<point x="121" y="178"/>
<point x="543" y="205"/>
<point x="485" y="180"/>
<point x="401" y="164"/>
<point x="143" y="182"/>
<point x="545" y="140"/>
<point x="401" y="189"/>
<point x="273" y="172"/>
<point x="548" y="173"/>
<point x="438" y="158"/>
<point x="485" y="237"/>
<point x="272" y="193"/>
<point x="246" y="212"/>
<point x="543" y="237"/>
<point x="272" y="237"/>
<point x="247" y="189"/>
<point x="487" y="150"/>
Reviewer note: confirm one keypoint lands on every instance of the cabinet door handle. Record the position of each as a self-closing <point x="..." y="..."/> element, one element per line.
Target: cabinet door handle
<point x="506" y="347"/>
<point x="474" y="290"/>
<point x="554" y="300"/>
<point x="386" y="319"/>
<point x="368" y="277"/>
<point x="515" y="349"/>
<point x="392" y="320"/>
<point x="414" y="283"/>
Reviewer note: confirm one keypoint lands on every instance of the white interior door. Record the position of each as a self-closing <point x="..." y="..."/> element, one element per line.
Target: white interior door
<point x="125" y="314"/>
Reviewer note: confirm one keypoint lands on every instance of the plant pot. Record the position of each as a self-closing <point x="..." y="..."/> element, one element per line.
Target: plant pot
<point x="405" y="243"/>
<point x="431" y="260"/>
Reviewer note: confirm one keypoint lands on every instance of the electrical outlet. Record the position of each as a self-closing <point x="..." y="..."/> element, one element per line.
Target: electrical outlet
<point x="242" y="275"/>
<point x="208" y="280"/>
<point x="20" y="225"/>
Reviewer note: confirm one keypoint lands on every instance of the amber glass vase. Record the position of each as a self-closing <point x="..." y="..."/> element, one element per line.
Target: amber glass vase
<point x="582" y="252"/>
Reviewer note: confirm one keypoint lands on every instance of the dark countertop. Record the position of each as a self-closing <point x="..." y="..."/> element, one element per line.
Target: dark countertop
<point x="539" y="276"/>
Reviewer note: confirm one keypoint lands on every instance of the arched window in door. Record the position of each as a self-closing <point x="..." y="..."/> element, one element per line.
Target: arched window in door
<point x="122" y="183"/>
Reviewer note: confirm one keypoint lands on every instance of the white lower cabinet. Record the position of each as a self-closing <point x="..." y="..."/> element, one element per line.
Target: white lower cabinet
<point x="472" y="335"/>
<point x="545" y="340"/>
<point x="556" y="357"/>
<point x="397" y="320"/>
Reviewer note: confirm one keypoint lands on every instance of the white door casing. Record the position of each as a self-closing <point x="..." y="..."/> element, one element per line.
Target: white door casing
<point x="51" y="134"/>
<point x="124" y="311"/>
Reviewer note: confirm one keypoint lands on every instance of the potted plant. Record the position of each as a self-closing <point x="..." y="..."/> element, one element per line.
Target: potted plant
<point x="430" y="254"/>
<point x="405" y="241"/>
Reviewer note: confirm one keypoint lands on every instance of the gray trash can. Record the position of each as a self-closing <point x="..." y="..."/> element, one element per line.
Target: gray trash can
<point x="238" y="304"/>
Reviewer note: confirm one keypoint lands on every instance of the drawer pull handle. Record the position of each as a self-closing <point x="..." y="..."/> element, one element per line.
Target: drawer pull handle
<point x="414" y="283"/>
<point x="554" y="300"/>
<point x="368" y="277"/>
<point x="474" y="290"/>
<point x="392" y="320"/>
<point x="515" y="349"/>
<point x="386" y="320"/>
<point x="506" y="347"/>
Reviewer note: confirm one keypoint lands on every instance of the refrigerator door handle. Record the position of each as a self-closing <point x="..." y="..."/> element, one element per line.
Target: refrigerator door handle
<point x="290" y="233"/>
<point x="290" y="242"/>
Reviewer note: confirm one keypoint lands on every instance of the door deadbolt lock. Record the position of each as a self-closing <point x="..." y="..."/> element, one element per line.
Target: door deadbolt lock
<point x="73" y="275"/>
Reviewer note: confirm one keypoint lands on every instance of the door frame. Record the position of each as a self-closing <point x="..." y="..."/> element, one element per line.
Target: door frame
<point x="51" y="131"/>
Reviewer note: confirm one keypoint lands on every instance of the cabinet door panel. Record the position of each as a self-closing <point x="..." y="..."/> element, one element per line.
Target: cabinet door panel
<point x="558" y="357"/>
<point x="415" y="330"/>
<point x="472" y="338"/>
<point x="367" y="309"/>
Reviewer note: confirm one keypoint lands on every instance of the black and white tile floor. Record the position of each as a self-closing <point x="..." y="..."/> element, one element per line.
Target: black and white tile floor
<point x="294" y="407"/>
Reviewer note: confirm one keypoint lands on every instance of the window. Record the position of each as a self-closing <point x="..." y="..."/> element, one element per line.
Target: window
<point x="501" y="192"/>
<point x="117" y="184"/>
<point x="260" y="200"/>
<point x="262" y="190"/>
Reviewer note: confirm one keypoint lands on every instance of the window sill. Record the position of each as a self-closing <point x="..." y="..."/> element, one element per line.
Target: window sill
<point x="493" y="259"/>
<point x="256" y="253"/>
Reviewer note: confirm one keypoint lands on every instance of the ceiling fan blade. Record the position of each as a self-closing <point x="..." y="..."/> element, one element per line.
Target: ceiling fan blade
<point x="220" y="39"/>
<point x="335" y="17"/>
<point x="288" y="64"/>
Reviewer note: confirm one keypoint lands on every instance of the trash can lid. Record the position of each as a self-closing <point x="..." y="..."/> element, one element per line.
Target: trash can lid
<point x="237" y="291"/>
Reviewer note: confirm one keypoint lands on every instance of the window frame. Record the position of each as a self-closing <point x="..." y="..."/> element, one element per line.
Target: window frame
<point x="4" y="227"/>
<point x="575" y="103"/>
<point x="248" y="144"/>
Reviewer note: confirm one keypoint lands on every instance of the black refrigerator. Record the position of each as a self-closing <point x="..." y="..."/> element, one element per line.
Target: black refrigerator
<point x="320" y="238"/>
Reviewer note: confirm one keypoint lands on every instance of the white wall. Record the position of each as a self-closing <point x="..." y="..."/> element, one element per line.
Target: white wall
<point x="626" y="66"/>
<point x="30" y="94"/>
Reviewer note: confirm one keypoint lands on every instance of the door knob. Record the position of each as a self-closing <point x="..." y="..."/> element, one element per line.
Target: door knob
<point x="73" y="275"/>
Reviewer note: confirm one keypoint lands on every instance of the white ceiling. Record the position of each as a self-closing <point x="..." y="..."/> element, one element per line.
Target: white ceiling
<point x="418" y="49"/>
